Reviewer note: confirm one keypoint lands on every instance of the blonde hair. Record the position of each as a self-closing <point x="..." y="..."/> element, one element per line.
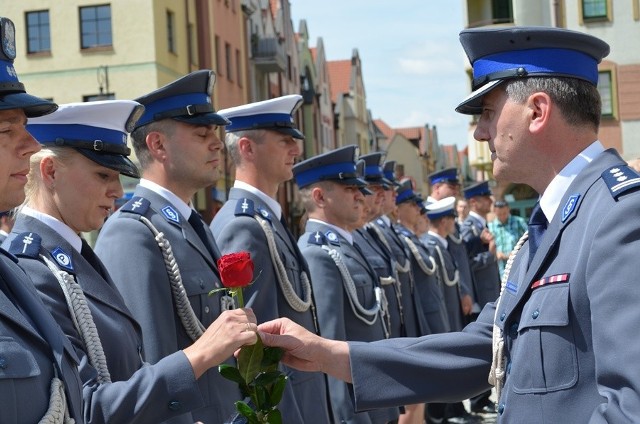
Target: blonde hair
<point x="34" y="183"/>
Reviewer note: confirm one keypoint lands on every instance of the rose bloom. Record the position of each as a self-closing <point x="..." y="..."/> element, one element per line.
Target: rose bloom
<point x="236" y="269"/>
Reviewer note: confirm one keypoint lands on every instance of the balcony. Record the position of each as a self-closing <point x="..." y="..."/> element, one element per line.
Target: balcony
<point x="268" y="54"/>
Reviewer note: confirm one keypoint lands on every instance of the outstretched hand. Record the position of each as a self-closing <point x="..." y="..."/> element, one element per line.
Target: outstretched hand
<point x="307" y="351"/>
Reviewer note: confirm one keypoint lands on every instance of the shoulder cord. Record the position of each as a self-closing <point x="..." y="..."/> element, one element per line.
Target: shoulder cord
<point x="497" y="372"/>
<point x="350" y="287"/>
<point x="57" y="412"/>
<point x="82" y="319"/>
<point x="296" y="303"/>
<point x="418" y="257"/>
<point x="456" y="240"/>
<point x="445" y="277"/>
<point x="188" y="318"/>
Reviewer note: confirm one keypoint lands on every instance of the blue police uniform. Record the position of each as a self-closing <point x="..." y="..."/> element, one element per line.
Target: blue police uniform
<point x="252" y="221"/>
<point x="170" y="387"/>
<point x="143" y="271"/>
<point x="349" y="308"/>
<point x="569" y="341"/>
<point x="484" y="264"/>
<point x="33" y="349"/>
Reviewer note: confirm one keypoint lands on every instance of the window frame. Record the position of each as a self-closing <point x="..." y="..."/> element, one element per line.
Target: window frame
<point x="612" y="113"/>
<point x="606" y="16"/>
<point x="96" y="30"/>
<point x="39" y="27"/>
<point x="171" y="35"/>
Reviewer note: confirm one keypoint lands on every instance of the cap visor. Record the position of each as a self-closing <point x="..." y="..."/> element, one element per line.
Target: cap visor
<point x="119" y="163"/>
<point x="31" y="105"/>
<point x="472" y="104"/>
<point x="289" y="131"/>
<point x="203" y="119"/>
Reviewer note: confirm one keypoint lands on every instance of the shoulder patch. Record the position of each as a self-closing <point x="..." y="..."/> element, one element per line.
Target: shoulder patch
<point x="171" y="214"/>
<point x="317" y="238"/>
<point x="138" y="205"/>
<point x="570" y="206"/>
<point x="26" y="244"/>
<point x="620" y="179"/>
<point x="404" y="232"/>
<point x="380" y="222"/>
<point x="332" y="238"/>
<point x="244" y="207"/>
<point x="62" y="258"/>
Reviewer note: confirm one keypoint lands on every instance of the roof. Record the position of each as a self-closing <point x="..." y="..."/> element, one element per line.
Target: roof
<point x="340" y="77"/>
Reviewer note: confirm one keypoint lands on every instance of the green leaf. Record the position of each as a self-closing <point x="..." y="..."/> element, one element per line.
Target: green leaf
<point x="261" y="398"/>
<point x="274" y="417"/>
<point x="230" y="373"/>
<point x="246" y="411"/>
<point x="266" y="378"/>
<point x="278" y="390"/>
<point x="272" y="356"/>
<point x="249" y="360"/>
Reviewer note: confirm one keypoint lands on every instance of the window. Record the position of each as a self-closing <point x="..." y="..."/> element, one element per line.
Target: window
<point x="95" y="26"/>
<point x="605" y="87"/>
<point x="594" y="9"/>
<point x="238" y="68"/>
<point x="228" y="59"/>
<point x="98" y="97"/>
<point x="38" y="32"/>
<point x="171" y="41"/>
<point x="218" y="65"/>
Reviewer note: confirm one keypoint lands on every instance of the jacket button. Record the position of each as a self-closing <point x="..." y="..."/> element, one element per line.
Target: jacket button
<point x="3" y="363"/>
<point x="501" y="408"/>
<point x="206" y="309"/>
<point x="535" y="314"/>
<point x="174" y="405"/>
<point x="503" y="316"/>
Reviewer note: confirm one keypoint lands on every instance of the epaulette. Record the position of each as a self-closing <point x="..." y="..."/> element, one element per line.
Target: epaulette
<point x="332" y="238"/>
<point x="620" y="179"/>
<point x="317" y="238"/>
<point x="244" y="207"/>
<point x="26" y="245"/>
<point x="431" y="242"/>
<point x="138" y="205"/>
<point x="405" y="232"/>
<point x="380" y="222"/>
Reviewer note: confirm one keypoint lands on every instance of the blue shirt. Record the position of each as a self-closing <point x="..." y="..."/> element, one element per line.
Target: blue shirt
<point x="507" y="235"/>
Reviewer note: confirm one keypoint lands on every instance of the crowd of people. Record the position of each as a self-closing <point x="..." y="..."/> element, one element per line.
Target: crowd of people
<point x="393" y="306"/>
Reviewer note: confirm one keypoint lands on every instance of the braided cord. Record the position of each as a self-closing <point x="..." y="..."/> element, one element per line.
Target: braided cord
<point x="350" y="287"/>
<point x="188" y="318"/>
<point x="416" y="254"/>
<point x="497" y="372"/>
<point x="292" y="298"/>
<point x="82" y="319"/>
<point x="57" y="412"/>
<point x="456" y="275"/>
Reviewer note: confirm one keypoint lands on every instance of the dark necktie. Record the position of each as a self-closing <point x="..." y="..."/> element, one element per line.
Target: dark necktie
<point x="87" y="252"/>
<point x="198" y="224"/>
<point x="537" y="226"/>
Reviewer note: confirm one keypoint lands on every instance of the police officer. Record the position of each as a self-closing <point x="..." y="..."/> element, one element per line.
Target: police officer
<point x="263" y="142"/>
<point x="160" y="254"/>
<point x="75" y="285"/>
<point x="38" y="375"/>
<point x="349" y="308"/>
<point x="565" y="341"/>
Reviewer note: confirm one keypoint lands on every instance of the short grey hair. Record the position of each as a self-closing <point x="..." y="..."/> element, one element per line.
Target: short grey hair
<point x="231" y="142"/>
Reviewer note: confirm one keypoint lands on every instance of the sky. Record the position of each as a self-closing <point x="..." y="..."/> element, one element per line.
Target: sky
<point x="412" y="62"/>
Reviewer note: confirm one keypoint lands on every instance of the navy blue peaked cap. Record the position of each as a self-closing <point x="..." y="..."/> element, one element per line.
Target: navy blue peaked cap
<point x="187" y="99"/>
<point x="338" y="165"/>
<point x="478" y="189"/>
<point x="12" y="92"/>
<point x="449" y="175"/>
<point x="500" y="54"/>
<point x="373" y="170"/>
<point x="407" y="194"/>
<point x="389" y="169"/>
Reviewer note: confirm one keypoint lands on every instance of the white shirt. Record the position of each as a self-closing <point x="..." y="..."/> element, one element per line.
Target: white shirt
<point x="178" y="203"/>
<point x="347" y="235"/>
<point x="555" y="191"/>
<point x="439" y="237"/>
<point x="58" y="226"/>
<point x="268" y="200"/>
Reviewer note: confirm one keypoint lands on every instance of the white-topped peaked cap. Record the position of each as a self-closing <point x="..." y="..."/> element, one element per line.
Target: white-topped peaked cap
<point x="440" y="208"/>
<point x="273" y="114"/>
<point x="98" y="130"/>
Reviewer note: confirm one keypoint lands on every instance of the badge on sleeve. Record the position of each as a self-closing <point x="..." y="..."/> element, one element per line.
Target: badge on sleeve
<point x="244" y="207"/>
<point x="138" y="205"/>
<point x="26" y="244"/>
<point x="265" y="214"/>
<point x="332" y="238"/>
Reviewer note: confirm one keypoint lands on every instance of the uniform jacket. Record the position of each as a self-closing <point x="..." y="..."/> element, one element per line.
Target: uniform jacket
<point x="129" y="251"/>
<point x="571" y="344"/>
<point x="458" y="250"/>
<point x="335" y="314"/>
<point x="171" y="382"/>
<point x="235" y="228"/>
<point x="451" y="294"/>
<point x="484" y="264"/>
<point x="415" y="321"/>
<point x="30" y="348"/>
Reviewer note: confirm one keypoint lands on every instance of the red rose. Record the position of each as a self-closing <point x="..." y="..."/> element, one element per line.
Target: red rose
<point x="236" y="269"/>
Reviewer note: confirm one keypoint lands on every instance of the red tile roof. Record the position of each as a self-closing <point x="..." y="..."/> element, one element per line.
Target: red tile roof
<point x="340" y="77"/>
